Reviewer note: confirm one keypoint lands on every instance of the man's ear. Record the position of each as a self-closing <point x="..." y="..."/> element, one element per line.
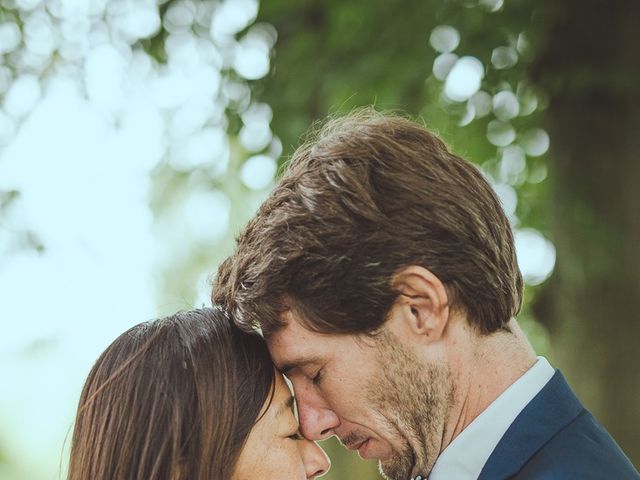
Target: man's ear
<point x="422" y="305"/>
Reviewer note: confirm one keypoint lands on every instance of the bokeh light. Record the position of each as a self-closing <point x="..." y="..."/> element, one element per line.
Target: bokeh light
<point x="258" y="172"/>
<point x="464" y="79"/>
<point x="443" y="64"/>
<point x="444" y="39"/>
<point x="500" y="133"/>
<point x="121" y="160"/>
<point x="505" y="105"/>
<point x="482" y="103"/>
<point x="513" y="165"/>
<point x="536" y="256"/>
<point x="535" y="142"/>
<point x="504" y="57"/>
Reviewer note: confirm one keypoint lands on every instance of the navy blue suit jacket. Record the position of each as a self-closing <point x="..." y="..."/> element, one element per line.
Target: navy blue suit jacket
<point x="556" y="438"/>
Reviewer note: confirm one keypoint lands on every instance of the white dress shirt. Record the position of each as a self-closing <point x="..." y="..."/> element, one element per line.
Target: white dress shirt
<point x="465" y="456"/>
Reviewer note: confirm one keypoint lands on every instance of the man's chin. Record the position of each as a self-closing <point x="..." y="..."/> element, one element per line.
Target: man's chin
<point x="395" y="468"/>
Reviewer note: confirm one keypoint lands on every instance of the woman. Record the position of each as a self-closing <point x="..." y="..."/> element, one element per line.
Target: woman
<point x="189" y="397"/>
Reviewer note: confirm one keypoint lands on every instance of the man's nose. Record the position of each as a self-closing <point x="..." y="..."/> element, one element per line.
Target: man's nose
<point x="317" y="420"/>
<point x="316" y="462"/>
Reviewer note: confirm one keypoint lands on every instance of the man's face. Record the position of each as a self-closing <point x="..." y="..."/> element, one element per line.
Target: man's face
<point x="372" y="392"/>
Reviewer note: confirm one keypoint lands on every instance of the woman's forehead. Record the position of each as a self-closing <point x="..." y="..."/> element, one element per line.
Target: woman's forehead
<point x="280" y="407"/>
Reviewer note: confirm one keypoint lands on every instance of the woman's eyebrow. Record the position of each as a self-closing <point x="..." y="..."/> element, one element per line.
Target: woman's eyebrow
<point x="287" y="405"/>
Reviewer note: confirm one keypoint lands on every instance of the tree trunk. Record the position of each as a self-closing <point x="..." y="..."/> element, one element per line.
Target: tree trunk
<point x="591" y="68"/>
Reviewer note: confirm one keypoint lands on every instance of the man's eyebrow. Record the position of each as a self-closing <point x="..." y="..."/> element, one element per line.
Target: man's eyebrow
<point x="290" y="365"/>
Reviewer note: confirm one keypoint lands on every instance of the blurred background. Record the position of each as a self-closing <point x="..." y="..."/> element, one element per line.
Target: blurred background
<point x="137" y="137"/>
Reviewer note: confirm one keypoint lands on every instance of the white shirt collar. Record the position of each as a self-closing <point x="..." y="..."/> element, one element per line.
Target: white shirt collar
<point x="465" y="456"/>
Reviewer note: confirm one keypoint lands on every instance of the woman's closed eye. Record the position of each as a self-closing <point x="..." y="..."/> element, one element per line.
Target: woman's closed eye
<point x="295" y="436"/>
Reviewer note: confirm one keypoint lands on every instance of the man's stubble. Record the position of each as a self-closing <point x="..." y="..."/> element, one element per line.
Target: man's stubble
<point x="414" y="399"/>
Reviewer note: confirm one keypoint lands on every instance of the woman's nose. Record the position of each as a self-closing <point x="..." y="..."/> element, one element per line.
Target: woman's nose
<point x="316" y="462"/>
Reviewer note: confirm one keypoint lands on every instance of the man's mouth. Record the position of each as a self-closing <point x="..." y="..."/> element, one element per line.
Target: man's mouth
<point x="360" y="446"/>
<point x="355" y="445"/>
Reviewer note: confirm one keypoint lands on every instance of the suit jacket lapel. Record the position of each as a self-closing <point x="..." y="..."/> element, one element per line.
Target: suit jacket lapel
<point x="551" y="410"/>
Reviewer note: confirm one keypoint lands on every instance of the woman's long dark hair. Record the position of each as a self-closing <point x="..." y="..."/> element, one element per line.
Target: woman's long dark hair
<point x="172" y="399"/>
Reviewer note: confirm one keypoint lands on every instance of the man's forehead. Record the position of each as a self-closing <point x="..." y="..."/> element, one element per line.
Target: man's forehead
<point x="290" y="333"/>
<point x="292" y="345"/>
<point x="286" y="342"/>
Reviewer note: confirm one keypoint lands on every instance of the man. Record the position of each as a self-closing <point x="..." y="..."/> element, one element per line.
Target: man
<point x="383" y="274"/>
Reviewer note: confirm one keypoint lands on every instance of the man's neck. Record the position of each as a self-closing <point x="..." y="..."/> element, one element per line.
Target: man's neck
<point x="484" y="373"/>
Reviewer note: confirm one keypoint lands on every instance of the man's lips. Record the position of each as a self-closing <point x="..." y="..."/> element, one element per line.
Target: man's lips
<point x="360" y="446"/>
<point x="363" y="449"/>
<point x="357" y="445"/>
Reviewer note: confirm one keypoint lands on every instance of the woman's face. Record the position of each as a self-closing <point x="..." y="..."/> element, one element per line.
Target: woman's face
<point x="275" y="449"/>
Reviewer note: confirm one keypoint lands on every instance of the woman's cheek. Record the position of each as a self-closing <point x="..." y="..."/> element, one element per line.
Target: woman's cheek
<point x="286" y="461"/>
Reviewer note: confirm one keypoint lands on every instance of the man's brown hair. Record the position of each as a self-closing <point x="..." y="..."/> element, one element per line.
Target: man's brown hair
<point x="367" y="195"/>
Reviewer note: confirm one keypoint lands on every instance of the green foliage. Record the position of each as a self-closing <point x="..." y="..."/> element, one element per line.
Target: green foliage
<point x="337" y="55"/>
<point x="332" y="56"/>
